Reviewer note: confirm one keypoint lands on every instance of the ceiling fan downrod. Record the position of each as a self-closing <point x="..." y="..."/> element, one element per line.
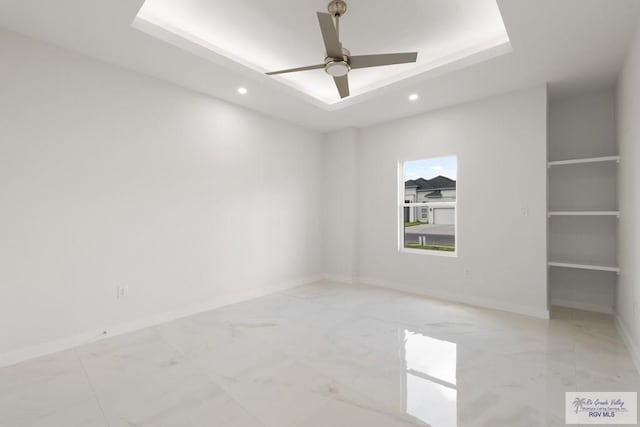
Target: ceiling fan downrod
<point x="337" y="8"/>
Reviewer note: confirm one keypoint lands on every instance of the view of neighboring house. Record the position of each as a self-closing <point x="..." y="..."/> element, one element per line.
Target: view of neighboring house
<point x="438" y="192"/>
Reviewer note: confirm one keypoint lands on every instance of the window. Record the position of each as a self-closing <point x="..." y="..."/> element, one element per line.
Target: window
<point x="428" y="205"/>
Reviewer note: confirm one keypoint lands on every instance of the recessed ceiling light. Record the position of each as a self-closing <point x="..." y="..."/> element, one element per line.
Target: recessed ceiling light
<point x="413" y="97"/>
<point x="242" y="90"/>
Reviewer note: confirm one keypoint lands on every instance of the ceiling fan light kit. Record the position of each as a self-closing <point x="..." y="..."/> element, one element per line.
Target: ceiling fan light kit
<point x="336" y="67"/>
<point x="338" y="60"/>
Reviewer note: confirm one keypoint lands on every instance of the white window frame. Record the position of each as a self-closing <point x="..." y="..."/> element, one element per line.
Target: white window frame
<point x="402" y="205"/>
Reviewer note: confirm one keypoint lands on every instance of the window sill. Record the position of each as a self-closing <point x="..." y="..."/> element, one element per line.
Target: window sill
<point x="429" y="252"/>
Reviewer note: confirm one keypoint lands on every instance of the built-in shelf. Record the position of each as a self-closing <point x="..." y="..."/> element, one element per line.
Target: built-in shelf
<point x="587" y="160"/>
<point x="585" y="266"/>
<point x="584" y="213"/>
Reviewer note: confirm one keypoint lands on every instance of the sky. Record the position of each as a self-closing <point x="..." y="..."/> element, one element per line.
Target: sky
<point x="430" y="168"/>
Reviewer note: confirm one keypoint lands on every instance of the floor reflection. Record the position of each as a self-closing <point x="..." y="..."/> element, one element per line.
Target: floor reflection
<point x="430" y="379"/>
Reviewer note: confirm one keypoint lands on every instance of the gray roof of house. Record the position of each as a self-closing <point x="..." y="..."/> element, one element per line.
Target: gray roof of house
<point x="438" y="183"/>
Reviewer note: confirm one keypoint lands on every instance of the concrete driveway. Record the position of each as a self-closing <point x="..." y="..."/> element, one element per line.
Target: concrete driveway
<point x="431" y="230"/>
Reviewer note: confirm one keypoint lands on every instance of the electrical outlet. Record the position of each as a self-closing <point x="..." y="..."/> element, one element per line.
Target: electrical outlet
<point x="123" y="291"/>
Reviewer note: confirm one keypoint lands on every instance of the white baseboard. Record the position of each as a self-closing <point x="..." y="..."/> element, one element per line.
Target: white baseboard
<point x="542" y="313"/>
<point x="66" y="343"/>
<point x="582" y="306"/>
<point x="338" y="279"/>
<point x="628" y="340"/>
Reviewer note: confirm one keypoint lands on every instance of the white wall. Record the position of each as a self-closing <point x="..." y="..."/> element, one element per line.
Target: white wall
<point x="628" y="299"/>
<point x="501" y="144"/>
<point x="341" y="208"/>
<point x="579" y="127"/>
<point x="583" y="126"/>
<point x="109" y="178"/>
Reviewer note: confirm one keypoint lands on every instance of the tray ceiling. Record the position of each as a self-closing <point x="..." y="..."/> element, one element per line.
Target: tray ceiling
<point x="265" y="36"/>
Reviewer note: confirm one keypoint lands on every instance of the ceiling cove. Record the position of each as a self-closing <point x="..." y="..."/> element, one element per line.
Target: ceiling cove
<point x="265" y="36"/>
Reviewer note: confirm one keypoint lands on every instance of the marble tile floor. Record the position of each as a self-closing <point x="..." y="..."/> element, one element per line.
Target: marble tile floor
<point x="326" y="355"/>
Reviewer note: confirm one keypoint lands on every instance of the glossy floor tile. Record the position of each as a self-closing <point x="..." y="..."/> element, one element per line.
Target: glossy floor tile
<point x="327" y="355"/>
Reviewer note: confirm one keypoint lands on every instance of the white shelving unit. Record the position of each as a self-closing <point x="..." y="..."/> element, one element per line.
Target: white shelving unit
<point x="582" y="161"/>
<point x="584" y="266"/>
<point x="582" y="205"/>
<point x="584" y="213"/>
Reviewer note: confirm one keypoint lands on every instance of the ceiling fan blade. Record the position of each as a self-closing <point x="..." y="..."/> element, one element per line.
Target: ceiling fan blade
<point x="342" y="83"/>
<point x="365" y="61"/>
<point x="330" y="35"/>
<point x="294" y="70"/>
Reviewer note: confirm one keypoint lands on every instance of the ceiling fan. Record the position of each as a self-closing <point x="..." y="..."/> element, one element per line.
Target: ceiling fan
<point x="338" y="61"/>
